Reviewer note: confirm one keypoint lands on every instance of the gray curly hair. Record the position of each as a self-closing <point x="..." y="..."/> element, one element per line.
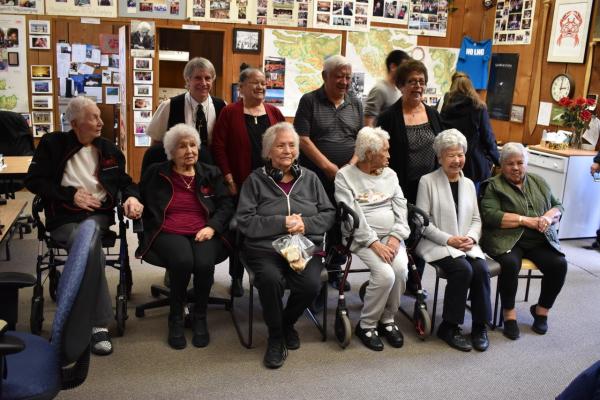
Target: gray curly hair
<point x="175" y="135"/>
<point x="369" y="140"/>
<point x="447" y="139"/>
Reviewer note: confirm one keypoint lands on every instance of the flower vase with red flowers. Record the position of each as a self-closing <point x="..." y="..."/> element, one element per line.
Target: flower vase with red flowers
<point x="577" y="115"/>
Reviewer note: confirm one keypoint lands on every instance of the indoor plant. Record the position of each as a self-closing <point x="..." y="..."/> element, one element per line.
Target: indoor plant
<point x="577" y="115"/>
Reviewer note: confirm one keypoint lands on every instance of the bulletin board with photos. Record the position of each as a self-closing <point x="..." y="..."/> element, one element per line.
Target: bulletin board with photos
<point x="513" y="23"/>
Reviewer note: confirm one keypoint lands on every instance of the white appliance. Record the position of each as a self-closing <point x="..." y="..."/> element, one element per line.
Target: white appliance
<point x="570" y="181"/>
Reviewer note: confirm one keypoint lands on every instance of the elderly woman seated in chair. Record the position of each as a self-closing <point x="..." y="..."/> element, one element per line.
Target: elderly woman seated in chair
<point x="371" y="188"/>
<point x="187" y="211"/>
<point x="520" y="220"/>
<point x="279" y="199"/>
<point x="450" y="242"/>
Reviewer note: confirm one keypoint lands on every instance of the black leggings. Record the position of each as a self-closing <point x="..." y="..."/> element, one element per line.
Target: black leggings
<point x="549" y="261"/>
<point x="185" y="256"/>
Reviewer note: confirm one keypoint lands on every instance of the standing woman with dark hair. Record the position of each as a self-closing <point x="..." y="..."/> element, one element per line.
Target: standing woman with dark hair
<point x="465" y="111"/>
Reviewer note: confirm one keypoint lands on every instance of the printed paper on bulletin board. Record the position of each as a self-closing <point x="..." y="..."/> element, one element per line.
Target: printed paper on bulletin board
<point x="166" y="9"/>
<point x="83" y="8"/>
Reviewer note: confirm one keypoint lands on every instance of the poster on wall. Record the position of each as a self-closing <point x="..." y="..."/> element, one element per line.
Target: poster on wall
<point x="501" y="85"/>
<point x="22" y="7"/>
<point x="166" y="9"/>
<point x="232" y="11"/>
<point x="82" y="8"/>
<point x="275" y="78"/>
<point x="13" y="64"/>
<point x="303" y="54"/>
<point x="342" y="15"/>
<point x="283" y="13"/>
<point x="568" y="40"/>
<point x="513" y="23"/>
<point x="428" y="17"/>
<point x="390" y="11"/>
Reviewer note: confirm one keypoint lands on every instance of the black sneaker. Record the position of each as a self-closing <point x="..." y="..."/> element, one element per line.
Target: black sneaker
<point x="479" y="337"/>
<point x="540" y="322"/>
<point x="275" y="354"/>
<point x="511" y="329"/>
<point x="453" y="336"/>
<point x="200" y="329"/>
<point x="391" y="332"/>
<point x="292" y="340"/>
<point x="369" y="337"/>
<point x="176" y="337"/>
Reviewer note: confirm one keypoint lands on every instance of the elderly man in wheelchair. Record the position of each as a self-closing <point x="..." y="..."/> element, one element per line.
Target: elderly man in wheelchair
<point x="78" y="174"/>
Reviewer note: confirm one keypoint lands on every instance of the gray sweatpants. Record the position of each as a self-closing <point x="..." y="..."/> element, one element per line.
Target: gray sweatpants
<point x="65" y="235"/>
<point x="386" y="285"/>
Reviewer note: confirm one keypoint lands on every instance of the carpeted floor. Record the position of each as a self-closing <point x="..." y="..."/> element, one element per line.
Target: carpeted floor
<point x="144" y="367"/>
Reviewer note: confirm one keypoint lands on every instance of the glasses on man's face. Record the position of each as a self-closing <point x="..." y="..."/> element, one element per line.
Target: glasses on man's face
<point x="417" y="82"/>
<point x="596" y="176"/>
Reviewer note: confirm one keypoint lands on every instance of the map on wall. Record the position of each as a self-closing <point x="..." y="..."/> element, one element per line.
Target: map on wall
<point x="441" y="64"/>
<point x="367" y="52"/>
<point x="304" y="53"/>
<point x="13" y="64"/>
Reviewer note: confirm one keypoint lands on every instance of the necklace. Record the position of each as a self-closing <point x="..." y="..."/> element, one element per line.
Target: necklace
<point x="188" y="185"/>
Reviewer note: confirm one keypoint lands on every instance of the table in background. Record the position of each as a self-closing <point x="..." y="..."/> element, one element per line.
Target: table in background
<point x="16" y="168"/>
<point x="9" y="213"/>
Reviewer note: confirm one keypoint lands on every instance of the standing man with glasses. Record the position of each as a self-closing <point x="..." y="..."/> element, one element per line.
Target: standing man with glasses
<point x="412" y="126"/>
<point x="328" y="120"/>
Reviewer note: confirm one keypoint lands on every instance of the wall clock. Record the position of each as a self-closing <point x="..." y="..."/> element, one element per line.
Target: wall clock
<point x="562" y="86"/>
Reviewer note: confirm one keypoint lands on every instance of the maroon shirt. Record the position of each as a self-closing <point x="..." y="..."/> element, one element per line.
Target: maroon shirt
<point x="184" y="215"/>
<point x="286" y="187"/>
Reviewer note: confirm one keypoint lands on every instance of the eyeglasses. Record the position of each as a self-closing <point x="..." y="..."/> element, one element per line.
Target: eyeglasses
<point x="414" y="82"/>
<point x="596" y="176"/>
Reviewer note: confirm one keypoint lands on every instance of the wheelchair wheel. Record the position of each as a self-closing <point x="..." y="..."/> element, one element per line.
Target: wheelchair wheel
<point x="422" y="321"/>
<point x="363" y="290"/>
<point x="36" y="317"/>
<point x="54" y="279"/>
<point x="342" y="328"/>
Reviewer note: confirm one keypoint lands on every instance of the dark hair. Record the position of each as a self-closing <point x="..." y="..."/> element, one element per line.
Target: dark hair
<point x="408" y="67"/>
<point x="396" y="57"/>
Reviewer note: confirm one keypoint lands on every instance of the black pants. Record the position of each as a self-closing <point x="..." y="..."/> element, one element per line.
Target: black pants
<point x="549" y="261"/>
<point x="272" y="275"/>
<point x="185" y="256"/>
<point x="464" y="273"/>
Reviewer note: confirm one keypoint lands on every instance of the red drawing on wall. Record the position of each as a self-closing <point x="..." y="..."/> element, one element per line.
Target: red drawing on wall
<point x="570" y="23"/>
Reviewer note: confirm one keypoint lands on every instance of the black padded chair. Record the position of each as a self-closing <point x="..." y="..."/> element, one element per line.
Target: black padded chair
<point x="52" y="255"/>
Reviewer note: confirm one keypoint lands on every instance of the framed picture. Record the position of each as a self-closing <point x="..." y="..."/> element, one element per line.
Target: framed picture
<point x="41" y="86"/>
<point x="142" y="63"/>
<point x="106" y="77"/>
<point x="142" y="90"/>
<point x="42" y="117"/>
<point x="41" y="72"/>
<point x="42" y="102"/>
<point x="39" y="27"/>
<point x="13" y="59"/>
<point x="27" y="118"/>
<point x="517" y="114"/>
<point x="595" y="98"/>
<point x="142" y="116"/>
<point x="142" y="76"/>
<point x="235" y="92"/>
<point x="140" y="128"/>
<point x="116" y="78"/>
<point x="569" y="45"/>
<point x="41" y="129"/>
<point x="142" y="103"/>
<point x="39" y="42"/>
<point x="246" y="40"/>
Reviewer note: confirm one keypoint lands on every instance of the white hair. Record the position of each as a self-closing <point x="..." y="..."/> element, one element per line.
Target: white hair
<point x="175" y="135"/>
<point x="76" y="108"/>
<point x="271" y="133"/>
<point x="334" y="62"/>
<point x="369" y="140"/>
<point x="143" y="26"/>
<point x="198" y="63"/>
<point x="513" y="149"/>
<point x="447" y="139"/>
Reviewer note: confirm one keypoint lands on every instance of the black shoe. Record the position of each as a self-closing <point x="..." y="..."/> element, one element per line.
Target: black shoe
<point x="511" y="329"/>
<point x="176" y="334"/>
<point x="200" y="329"/>
<point x="237" y="290"/>
<point x="275" y="354"/>
<point x="292" y="340"/>
<point x="101" y="342"/>
<point x="335" y="283"/>
<point x="479" y="337"/>
<point x="540" y="322"/>
<point x="391" y="332"/>
<point x="453" y="336"/>
<point x="369" y="337"/>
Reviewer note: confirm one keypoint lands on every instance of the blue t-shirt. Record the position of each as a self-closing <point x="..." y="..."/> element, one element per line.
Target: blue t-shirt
<point x="473" y="60"/>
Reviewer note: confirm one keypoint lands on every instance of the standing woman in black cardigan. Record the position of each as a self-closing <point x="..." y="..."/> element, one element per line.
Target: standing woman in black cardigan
<point x="465" y="111"/>
<point x="412" y="126"/>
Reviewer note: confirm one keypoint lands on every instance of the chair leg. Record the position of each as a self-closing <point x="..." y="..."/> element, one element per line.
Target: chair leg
<point x="495" y="321"/>
<point x="250" y="315"/>
<point x="435" y="297"/>
<point x="527" y="286"/>
<point x="247" y="343"/>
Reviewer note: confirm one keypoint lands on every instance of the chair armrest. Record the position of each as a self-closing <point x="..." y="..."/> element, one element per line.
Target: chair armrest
<point x="9" y="344"/>
<point x="344" y="211"/>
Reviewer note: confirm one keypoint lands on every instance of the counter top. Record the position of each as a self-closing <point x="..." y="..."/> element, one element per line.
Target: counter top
<point x="563" y="153"/>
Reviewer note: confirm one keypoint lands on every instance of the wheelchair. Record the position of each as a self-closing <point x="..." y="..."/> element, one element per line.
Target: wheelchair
<point x="417" y="221"/>
<point x="51" y="256"/>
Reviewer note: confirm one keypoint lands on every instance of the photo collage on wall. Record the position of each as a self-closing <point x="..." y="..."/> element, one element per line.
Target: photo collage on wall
<point x="22" y="6"/>
<point x="390" y="11"/>
<point x="514" y="22"/>
<point x="341" y="14"/>
<point x="41" y="99"/>
<point x="90" y="8"/>
<point x="143" y="79"/>
<point x="428" y="17"/>
<point x="39" y="35"/>
<point x="169" y="9"/>
<point x="284" y="13"/>
<point x="218" y="10"/>
<point x="13" y="64"/>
